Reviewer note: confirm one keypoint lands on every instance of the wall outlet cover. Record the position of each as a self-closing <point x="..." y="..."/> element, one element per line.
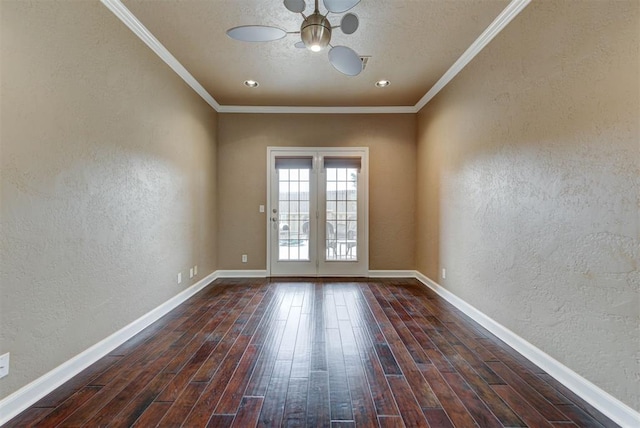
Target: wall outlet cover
<point x="4" y="365"/>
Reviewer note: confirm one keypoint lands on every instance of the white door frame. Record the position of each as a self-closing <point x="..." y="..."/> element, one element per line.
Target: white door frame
<point x="340" y="268"/>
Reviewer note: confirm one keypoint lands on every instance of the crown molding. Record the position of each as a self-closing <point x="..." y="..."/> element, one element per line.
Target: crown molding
<point x="502" y="20"/>
<point x="134" y="24"/>
<point x="505" y="17"/>
<point x="318" y="110"/>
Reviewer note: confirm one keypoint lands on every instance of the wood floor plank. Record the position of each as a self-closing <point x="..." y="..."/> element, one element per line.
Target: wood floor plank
<point x="381" y="393"/>
<point x="438" y="418"/>
<point x="248" y="413"/>
<point x="261" y="375"/>
<point x="545" y="408"/>
<point x="140" y="402"/>
<point x="56" y="397"/>
<point x="454" y="408"/>
<point x="301" y="363"/>
<point x="233" y="326"/>
<point x="419" y="327"/>
<point x="28" y="417"/>
<point x="314" y="352"/>
<point x="339" y="396"/>
<point x="295" y="407"/>
<point x="232" y="395"/>
<point x="478" y="410"/>
<point x="526" y="372"/>
<point x="421" y="389"/>
<point x="183" y="405"/>
<point x="204" y="341"/>
<point x="276" y="395"/>
<point x="152" y="415"/>
<point x="363" y="409"/>
<point x="579" y="416"/>
<point x="221" y="421"/>
<point x="390" y="422"/>
<point x="67" y="407"/>
<point x="520" y="405"/>
<point x="318" y="408"/>
<point x="486" y="394"/>
<point x="409" y="408"/>
<point x="572" y="398"/>
<point x="210" y="397"/>
<point x="113" y="393"/>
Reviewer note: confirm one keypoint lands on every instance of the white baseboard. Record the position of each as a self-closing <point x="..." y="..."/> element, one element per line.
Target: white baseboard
<point x="29" y="394"/>
<point x="392" y="274"/>
<point x="242" y="273"/>
<point x="610" y="406"/>
<point x="26" y="396"/>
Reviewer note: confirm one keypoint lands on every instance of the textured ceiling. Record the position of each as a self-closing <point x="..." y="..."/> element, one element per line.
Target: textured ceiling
<point x="412" y="43"/>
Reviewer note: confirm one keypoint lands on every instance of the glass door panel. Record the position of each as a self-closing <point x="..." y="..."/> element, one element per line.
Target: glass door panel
<point x="293" y="224"/>
<point x="341" y="240"/>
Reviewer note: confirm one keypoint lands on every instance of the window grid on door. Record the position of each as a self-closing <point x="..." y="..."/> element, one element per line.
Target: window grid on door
<point x="293" y="214"/>
<point x="341" y="214"/>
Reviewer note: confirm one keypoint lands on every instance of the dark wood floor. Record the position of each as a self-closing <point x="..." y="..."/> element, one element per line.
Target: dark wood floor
<point x="320" y="353"/>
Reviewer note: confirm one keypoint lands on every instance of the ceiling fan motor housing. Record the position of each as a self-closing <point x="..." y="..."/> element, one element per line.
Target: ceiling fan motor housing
<point x="316" y="32"/>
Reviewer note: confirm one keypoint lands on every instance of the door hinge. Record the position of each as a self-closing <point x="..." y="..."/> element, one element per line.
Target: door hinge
<point x="317" y="215"/>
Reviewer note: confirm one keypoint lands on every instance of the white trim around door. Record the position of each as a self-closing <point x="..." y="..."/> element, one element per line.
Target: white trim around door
<point x="317" y="211"/>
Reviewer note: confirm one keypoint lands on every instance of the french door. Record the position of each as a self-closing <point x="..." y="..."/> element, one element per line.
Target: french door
<point x="317" y="211"/>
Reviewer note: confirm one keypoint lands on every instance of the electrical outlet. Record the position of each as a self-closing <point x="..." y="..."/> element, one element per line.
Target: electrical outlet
<point x="4" y="365"/>
<point x="444" y="273"/>
<point x="191" y="273"/>
<point x="195" y="270"/>
<point x="244" y="258"/>
<point x="179" y="277"/>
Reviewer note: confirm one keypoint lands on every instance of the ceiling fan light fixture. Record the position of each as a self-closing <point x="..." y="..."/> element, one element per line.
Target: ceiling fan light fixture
<point x="316" y="32"/>
<point x="382" y="83"/>
<point x="251" y="83"/>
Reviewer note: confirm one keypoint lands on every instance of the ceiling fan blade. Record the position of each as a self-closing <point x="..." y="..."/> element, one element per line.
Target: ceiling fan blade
<point x="295" y="6"/>
<point x="349" y="23"/>
<point x="339" y="6"/>
<point x="300" y="45"/>
<point x="256" y="33"/>
<point x="345" y="60"/>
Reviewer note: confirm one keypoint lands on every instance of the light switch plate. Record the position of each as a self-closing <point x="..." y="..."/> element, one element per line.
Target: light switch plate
<point x="261" y="208"/>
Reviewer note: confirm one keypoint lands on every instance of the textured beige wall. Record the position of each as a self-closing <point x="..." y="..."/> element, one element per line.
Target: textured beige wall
<point x="108" y="182"/>
<point x="243" y="140"/>
<point x="534" y="205"/>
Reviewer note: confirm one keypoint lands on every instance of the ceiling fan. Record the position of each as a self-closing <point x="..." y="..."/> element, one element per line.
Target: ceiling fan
<point x="315" y="33"/>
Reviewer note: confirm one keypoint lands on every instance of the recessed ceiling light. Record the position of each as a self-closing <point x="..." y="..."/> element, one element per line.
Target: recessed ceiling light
<point x="382" y="83"/>
<point x="251" y="83"/>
